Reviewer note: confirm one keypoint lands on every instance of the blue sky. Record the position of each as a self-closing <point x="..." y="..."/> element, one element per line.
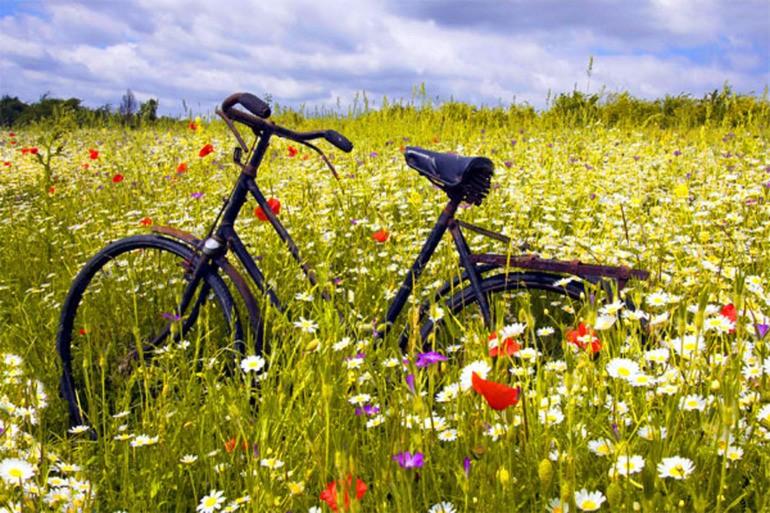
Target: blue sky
<point x="313" y="53"/>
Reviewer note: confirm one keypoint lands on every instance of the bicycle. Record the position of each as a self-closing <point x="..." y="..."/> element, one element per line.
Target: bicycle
<point x="195" y="302"/>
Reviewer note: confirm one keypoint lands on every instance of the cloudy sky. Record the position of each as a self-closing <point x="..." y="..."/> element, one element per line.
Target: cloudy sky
<point x="314" y="52"/>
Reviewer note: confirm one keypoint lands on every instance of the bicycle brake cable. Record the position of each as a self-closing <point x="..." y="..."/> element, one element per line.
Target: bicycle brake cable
<point x="323" y="156"/>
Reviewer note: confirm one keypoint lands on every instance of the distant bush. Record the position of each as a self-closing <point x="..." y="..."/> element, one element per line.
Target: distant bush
<point x="719" y="108"/>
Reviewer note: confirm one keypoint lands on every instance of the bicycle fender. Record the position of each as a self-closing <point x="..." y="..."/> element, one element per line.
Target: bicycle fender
<point x="231" y="272"/>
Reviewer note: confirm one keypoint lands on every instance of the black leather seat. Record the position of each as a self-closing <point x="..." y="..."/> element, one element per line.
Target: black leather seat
<point x="445" y="169"/>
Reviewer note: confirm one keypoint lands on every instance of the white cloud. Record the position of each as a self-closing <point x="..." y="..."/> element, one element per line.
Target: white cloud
<point x="303" y="51"/>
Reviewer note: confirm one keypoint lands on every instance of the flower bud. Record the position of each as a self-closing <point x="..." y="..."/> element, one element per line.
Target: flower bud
<point x="545" y="472"/>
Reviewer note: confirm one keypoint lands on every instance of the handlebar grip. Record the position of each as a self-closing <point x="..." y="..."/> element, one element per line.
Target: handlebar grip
<point x="250" y="102"/>
<point x="338" y="140"/>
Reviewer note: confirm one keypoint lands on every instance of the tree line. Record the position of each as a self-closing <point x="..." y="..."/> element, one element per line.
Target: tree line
<point x="130" y="112"/>
<point x="720" y="107"/>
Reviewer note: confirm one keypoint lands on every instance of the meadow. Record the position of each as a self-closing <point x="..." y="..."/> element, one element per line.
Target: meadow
<point x="674" y="416"/>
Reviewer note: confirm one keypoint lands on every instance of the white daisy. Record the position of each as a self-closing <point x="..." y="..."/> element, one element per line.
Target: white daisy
<point x="15" y="471"/>
<point x="306" y="325"/>
<point x="480" y="367"/>
<point x="622" y="368"/>
<point x="601" y="447"/>
<point x="675" y="467"/>
<point x="604" y="322"/>
<point x="627" y="465"/>
<point x="271" y="463"/>
<point x="253" y="363"/>
<point x="211" y="502"/>
<point x="360" y="399"/>
<point x="512" y="330"/>
<point x="143" y="440"/>
<point x="692" y="402"/>
<point x="448" y="393"/>
<point x="719" y="324"/>
<point x="589" y="501"/>
<point x="448" y="435"/>
<point x="763" y="415"/>
<point x="442" y="507"/>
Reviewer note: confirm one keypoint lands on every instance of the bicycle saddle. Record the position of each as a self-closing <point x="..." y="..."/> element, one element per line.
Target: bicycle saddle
<point x="464" y="178"/>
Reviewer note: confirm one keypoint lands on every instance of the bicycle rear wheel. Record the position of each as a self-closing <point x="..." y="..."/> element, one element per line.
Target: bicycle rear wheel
<point x="122" y="312"/>
<point x="538" y="309"/>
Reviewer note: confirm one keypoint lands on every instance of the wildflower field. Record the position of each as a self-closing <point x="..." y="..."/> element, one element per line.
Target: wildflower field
<point x="667" y="408"/>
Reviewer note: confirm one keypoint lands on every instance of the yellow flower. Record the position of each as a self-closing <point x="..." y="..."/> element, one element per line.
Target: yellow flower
<point x="681" y="191"/>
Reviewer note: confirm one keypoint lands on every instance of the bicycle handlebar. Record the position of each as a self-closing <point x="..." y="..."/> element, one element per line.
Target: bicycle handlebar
<point x="250" y="102"/>
<point x="257" y="121"/>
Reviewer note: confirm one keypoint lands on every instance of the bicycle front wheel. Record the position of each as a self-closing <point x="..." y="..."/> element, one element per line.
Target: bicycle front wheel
<point x="539" y="309"/>
<point x="122" y="312"/>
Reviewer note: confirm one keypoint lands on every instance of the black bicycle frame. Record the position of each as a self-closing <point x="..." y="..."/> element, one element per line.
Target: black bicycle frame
<point x="225" y="236"/>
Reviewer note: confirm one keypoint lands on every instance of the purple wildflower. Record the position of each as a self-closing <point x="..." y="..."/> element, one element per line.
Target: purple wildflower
<point x="408" y="460"/>
<point x="373" y="154"/>
<point x="425" y="359"/>
<point x="762" y="329"/>
<point x="196" y="195"/>
<point x="368" y="410"/>
<point x="410" y="381"/>
<point x="170" y="316"/>
<point x="467" y="466"/>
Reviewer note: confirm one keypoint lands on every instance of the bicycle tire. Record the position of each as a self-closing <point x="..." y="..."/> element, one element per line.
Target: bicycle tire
<point x="90" y="331"/>
<point x="567" y="300"/>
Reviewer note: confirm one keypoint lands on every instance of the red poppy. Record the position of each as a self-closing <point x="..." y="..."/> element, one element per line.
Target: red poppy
<point x="275" y="207"/>
<point x="181" y="168"/>
<point x="729" y="312"/>
<point x="231" y="444"/>
<point x="117" y="178"/>
<point x="93" y="154"/>
<point x="329" y="495"/>
<point x="192" y="126"/>
<point x="82" y="331"/>
<point x="86" y="166"/>
<point x="498" y="395"/>
<point x="13" y="143"/>
<point x="208" y="148"/>
<point x="507" y="347"/>
<point x="11" y="134"/>
<point x="7" y="164"/>
<point x="293" y="151"/>
<point x="146" y="221"/>
<point x="51" y="189"/>
<point x="33" y="150"/>
<point x="584" y="338"/>
<point x="381" y="235"/>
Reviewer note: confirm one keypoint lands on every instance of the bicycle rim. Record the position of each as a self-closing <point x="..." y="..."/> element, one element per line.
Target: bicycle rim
<point x="533" y="312"/>
<point x="124" y="346"/>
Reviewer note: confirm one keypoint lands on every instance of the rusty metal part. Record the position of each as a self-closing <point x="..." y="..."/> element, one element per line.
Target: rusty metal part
<point x="231" y="272"/>
<point x="621" y="273"/>
<point x="231" y="126"/>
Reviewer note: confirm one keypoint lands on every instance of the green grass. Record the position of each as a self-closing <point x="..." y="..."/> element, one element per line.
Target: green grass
<point x="688" y="204"/>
